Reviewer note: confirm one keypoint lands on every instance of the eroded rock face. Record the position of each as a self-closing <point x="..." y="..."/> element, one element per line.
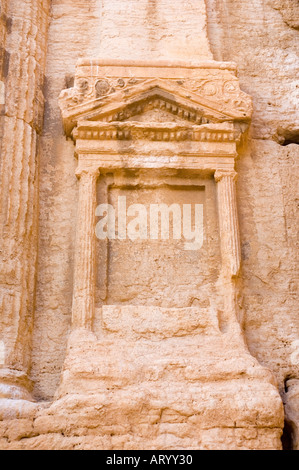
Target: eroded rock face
<point x="257" y="38"/>
<point x="148" y="345"/>
<point x="290" y="12"/>
<point x="132" y="393"/>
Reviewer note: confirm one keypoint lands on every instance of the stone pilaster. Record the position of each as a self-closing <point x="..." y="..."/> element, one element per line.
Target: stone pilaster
<point x="228" y="221"/>
<point x="85" y="265"/>
<point x="22" y="121"/>
<point x="230" y="249"/>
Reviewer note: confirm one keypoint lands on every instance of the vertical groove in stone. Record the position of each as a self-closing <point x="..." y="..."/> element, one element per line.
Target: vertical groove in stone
<point x="3" y="29"/>
<point x="18" y="240"/>
<point x="22" y="123"/>
<point x="3" y="59"/>
<point x="84" y="275"/>
<point x="27" y="64"/>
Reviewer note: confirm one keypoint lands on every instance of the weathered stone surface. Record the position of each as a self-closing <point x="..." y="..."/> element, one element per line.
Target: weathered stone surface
<point x="290" y="12"/>
<point x="125" y="400"/>
<point x="256" y="37"/>
<point x="166" y="327"/>
<point x="266" y="190"/>
<point x="155" y="22"/>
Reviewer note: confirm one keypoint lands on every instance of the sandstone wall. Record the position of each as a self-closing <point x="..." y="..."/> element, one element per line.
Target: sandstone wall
<point x="257" y="37"/>
<point x="261" y="37"/>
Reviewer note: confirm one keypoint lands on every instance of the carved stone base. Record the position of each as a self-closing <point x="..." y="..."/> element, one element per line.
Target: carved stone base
<point x="15" y="385"/>
<point x="157" y="378"/>
<point x="166" y="379"/>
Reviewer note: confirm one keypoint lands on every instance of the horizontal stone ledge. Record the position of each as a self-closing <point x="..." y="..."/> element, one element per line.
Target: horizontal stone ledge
<point x="155" y="132"/>
<point x="123" y="151"/>
<point x="157" y="63"/>
<point x="156" y="136"/>
<point x="254" y="403"/>
<point x="200" y="164"/>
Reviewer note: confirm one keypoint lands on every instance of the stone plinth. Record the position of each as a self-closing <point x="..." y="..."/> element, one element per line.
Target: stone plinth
<point x="167" y="379"/>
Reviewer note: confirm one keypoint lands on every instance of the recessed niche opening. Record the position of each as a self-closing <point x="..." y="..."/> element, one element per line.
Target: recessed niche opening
<point x="287" y="438"/>
<point x="289" y="431"/>
<point x="165" y="271"/>
<point x="289" y="137"/>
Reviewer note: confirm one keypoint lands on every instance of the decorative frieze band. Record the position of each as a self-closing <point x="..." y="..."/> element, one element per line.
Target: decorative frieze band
<point x="157" y="132"/>
<point x="213" y="88"/>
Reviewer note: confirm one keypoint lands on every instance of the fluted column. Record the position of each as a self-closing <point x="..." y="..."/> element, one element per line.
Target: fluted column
<point x="4" y="21"/>
<point x="85" y="265"/>
<point x="3" y="29"/>
<point x="228" y="220"/>
<point x="20" y="125"/>
<point x="230" y="248"/>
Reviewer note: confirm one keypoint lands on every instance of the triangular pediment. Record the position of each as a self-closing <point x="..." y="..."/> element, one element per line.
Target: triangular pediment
<point x="155" y="105"/>
<point x="152" y="100"/>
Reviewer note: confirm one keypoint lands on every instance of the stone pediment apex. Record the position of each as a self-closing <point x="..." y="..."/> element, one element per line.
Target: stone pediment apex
<point x="197" y="96"/>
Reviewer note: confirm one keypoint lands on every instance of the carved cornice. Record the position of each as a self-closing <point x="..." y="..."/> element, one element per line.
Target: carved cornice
<point x="155" y="132"/>
<point x="216" y="89"/>
<point x="196" y="95"/>
<point x="156" y="64"/>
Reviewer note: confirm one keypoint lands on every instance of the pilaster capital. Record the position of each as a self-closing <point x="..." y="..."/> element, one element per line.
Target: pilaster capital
<point x="91" y="172"/>
<point x="219" y="174"/>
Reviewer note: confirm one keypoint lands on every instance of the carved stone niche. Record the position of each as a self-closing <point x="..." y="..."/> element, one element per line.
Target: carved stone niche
<point x="173" y="376"/>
